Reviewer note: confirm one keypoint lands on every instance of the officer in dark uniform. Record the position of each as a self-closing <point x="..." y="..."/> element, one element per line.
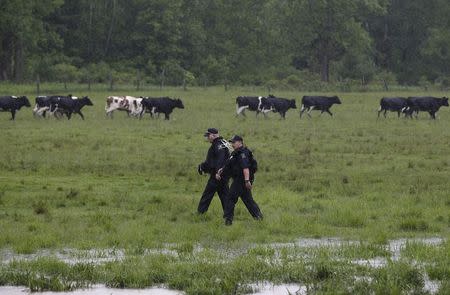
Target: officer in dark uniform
<point x="217" y="155"/>
<point x="239" y="167"/>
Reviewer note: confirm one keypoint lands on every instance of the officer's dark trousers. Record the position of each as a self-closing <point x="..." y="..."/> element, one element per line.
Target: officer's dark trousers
<point x="238" y="189"/>
<point x="213" y="186"/>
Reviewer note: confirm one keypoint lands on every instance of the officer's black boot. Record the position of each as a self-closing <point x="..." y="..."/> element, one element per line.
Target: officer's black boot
<point x="228" y="222"/>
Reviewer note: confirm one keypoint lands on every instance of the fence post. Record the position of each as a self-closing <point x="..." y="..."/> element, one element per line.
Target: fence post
<point x="38" y="85"/>
<point x="138" y="80"/>
<point x="111" y="81"/>
<point x="89" y="80"/>
<point x="162" y="79"/>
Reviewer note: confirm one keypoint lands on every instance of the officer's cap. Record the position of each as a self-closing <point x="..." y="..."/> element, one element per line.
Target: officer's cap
<point x="211" y="131"/>
<point x="236" y="138"/>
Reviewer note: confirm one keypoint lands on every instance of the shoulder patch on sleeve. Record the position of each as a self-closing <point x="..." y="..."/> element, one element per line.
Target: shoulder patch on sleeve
<point x="243" y="156"/>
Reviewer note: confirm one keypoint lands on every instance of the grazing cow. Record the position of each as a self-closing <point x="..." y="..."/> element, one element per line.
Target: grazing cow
<point x="159" y="105"/>
<point x="13" y="104"/>
<point x="257" y="104"/>
<point x="320" y="103"/>
<point x="281" y="105"/>
<point x="67" y="105"/>
<point x="427" y="103"/>
<point x="131" y="105"/>
<point x="393" y="104"/>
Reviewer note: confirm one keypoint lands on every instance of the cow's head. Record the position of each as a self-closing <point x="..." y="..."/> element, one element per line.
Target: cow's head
<point x="109" y="100"/>
<point x="87" y="101"/>
<point x="179" y="103"/>
<point x="445" y="101"/>
<point x="336" y="100"/>
<point x="292" y="104"/>
<point x="24" y="101"/>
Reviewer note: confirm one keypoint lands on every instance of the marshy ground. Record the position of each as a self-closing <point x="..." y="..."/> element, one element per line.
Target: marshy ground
<point x="72" y="192"/>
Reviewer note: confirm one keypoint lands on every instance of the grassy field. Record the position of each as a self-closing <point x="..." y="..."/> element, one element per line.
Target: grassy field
<point x="132" y="184"/>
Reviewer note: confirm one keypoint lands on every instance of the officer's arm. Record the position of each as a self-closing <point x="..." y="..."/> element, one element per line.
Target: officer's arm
<point x="245" y="165"/>
<point x="246" y="174"/>
<point x="222" y="157"/>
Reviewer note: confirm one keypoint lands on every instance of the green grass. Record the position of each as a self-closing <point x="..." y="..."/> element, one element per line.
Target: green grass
<point x="132" y="184"/>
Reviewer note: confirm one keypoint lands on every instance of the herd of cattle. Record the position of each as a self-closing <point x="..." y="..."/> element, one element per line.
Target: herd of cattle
<point x="408" y="106"/>
<point x="59" y="105"/>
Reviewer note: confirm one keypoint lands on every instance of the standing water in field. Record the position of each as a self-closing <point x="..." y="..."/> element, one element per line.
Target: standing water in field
<point x="95" y="290"/>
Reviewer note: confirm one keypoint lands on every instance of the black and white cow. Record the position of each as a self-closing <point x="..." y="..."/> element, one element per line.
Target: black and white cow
<point x="130" y="104"/>
<point x="258" y="104"/>
<point x="149" y="105"/>
<point x="43" y="103"/>
<point x="157" y="105"/>
<point x="281" y="105"/>
<point x="427" y="104"/>
<point x="67" y="105"/>
<point x="320" y="103"/>
<point x="393" y="104"/>
<point x="13" y="104"/>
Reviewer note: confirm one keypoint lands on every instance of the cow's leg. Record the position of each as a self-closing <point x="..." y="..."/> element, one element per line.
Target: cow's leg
<point x="309" y="111"/>
<point x="69" y="115"/>
<point x="240" y="110"/>
<point x="379" y="111"/>
<point x="433" y="115"/>
<point x="13" y="114"/>
<point x="142" y="113"/>
<point x="283" y="115"/>
<point x="36" y="108"/>
<point x="302" y="110"/>
<point x="166" y="116"/>
<point x="385" y="112"/>
<point x="81" y="115"/>
<point x="328" y="111"/>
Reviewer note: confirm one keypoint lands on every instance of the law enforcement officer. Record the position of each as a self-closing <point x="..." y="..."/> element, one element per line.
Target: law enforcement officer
<point x="218" y="154"/>
<point x="241" y="167"/>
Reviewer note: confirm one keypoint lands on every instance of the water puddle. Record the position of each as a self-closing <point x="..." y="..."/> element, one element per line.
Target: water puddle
<point x="95" y="290"/>
<point x="267" y="288"/>
<point x="99" y="256"/>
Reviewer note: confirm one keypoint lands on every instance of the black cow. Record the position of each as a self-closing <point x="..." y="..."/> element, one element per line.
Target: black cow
<point x="393" y="104"/>
<point x="13" y="104"/>
<point x="320" y="103"/>
<point x="427" y="103"/>
<point x="157" y="105"/>
<point x="257" y="104"/>
<point x="281" y="105"/>
<point x="67" y="105"/>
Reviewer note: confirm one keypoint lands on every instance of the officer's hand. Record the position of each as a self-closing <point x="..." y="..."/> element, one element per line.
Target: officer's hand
<point x="248" y="185"/>
<point x="199" y="169"/>
<point x="218" y="176"/>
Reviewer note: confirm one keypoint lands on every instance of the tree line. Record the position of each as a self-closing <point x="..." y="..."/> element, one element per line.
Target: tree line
<point x="207" y="42"/>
